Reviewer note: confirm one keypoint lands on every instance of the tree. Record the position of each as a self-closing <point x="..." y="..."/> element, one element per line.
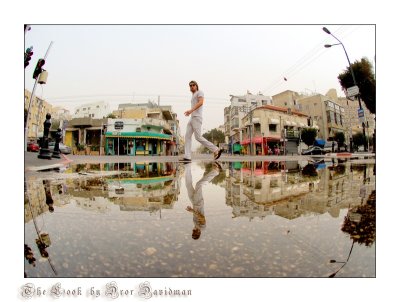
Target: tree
<point x="339" y="138"/>
<point x="365" y="78"/>
<point x="308" y="136"/>
<point x="111" y="116"/>
<point x="215" y="136"/>
<point x="358" y="139"/>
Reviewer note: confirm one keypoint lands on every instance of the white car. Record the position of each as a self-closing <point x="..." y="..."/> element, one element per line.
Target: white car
<point x="63" y="148"/>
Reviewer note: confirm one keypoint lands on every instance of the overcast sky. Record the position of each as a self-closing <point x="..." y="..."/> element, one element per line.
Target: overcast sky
<point x="125" y="63"/>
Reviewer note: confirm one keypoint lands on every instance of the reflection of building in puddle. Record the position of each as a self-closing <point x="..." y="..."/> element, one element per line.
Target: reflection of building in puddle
<point x="40" y="193"/>
<point x="256" y="190"/>
<point x="147" y="187"/>
<point x="96" y="204"/>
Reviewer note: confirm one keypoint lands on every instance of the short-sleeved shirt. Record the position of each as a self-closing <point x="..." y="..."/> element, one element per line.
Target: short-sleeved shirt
<point x="195" y="100"/>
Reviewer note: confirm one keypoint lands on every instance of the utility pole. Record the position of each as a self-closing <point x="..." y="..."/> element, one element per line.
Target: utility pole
<point x="33" y="93"/>
<point x="357" y="95"/>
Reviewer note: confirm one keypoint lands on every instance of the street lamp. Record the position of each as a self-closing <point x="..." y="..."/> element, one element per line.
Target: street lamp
<point x="351" y="71"/>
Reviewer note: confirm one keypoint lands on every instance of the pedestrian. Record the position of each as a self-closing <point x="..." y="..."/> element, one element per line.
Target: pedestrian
<point x="194" y="125"/>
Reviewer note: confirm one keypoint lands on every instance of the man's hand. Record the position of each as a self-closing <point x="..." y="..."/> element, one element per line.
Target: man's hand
<point x="188" y="112"/>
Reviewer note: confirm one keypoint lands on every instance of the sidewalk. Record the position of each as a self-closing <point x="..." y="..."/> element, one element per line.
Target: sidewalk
<point x="33" y="163"/>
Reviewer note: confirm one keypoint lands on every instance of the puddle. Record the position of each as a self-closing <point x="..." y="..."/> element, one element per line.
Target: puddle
<point x="242" y="219"/>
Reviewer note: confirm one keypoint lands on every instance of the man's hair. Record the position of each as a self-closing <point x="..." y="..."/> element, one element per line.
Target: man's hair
<point x="194" y="82"/>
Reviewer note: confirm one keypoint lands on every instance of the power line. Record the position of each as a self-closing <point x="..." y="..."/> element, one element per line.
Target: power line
<point x="306" y="60"/>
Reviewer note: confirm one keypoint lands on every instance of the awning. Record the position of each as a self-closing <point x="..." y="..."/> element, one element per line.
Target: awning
<point x="315" y="127"/>
<point x="256" y="120"/>
<point x="320" y="142"/>
<point x="257" y="140"/>
<point x="149" y="180"/>
<point x="302" y="125"/>
<point x="273" y="121"/>
<point x="154" y="135"/>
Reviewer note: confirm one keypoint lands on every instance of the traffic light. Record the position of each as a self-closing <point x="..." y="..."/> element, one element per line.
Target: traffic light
<point x="28" y="56"/>
<point x="38" y="68"/>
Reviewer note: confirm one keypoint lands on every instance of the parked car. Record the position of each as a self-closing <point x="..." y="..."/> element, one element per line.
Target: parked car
<point x="328" y="146"/>
<point x="315" y="150"/>
<point x="33" y="147"/>
<point x="63" y="148"/>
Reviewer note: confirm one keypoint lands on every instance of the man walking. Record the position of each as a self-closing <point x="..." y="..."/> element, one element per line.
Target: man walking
<point x="194" y="125"/>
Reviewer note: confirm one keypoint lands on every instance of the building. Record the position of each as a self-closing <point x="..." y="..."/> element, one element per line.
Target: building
<point x="135" y="129"/>
<point x="143" y="136"/>
<point x="233" y="115"/>
<point x="352" y="122"/>
<point x="324" y="111"/>
<point x="95" y="110"/>
<point x="164" y="121"/>
<point x="85" y="132"/>
<point x="272" y="130"/>
<point x="37" y="115"/>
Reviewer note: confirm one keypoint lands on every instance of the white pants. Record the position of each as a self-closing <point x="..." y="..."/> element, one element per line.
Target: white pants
<point x="194" y="126"/>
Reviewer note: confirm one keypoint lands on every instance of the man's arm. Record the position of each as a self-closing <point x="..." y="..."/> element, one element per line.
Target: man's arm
<point x="197" y="106"/>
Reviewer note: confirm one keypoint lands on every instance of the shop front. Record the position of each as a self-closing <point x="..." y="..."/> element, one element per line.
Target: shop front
<point x="136" y="143"/>
<point x="263" y="146"/>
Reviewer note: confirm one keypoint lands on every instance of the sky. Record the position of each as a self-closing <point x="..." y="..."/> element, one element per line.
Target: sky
<point x="136" y="63"/>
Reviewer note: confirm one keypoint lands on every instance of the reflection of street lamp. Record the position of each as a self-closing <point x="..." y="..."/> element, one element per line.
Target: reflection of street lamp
<point x="344" y="262"/>
<point x="352" y="74"/>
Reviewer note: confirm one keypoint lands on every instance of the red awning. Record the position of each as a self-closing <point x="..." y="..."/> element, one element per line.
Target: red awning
<point x="255" y="140"/>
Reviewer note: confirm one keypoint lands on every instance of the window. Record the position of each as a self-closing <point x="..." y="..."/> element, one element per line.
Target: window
<point x="272" y="127"/>
<point x="332" y="115"/>
<point x="97" y="106"/>
<point x="84" y="109"/>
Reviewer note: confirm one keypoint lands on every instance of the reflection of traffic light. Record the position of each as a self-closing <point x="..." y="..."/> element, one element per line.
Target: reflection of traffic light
<point x="28" y="55"/>
<point x="38" y="68"/>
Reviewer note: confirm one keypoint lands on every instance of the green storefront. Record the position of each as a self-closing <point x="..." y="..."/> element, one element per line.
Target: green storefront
<point x="136" y="143"/>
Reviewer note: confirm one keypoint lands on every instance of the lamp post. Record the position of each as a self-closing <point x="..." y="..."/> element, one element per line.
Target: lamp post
<point x="351" y="71"/>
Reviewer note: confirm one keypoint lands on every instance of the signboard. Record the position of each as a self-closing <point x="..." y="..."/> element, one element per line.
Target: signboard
<point x="361" y="115"/>
<point x="352" y="91"/>
<point x="119" y="125"/>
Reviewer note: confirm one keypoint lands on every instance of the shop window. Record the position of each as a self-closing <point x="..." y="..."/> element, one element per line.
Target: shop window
<point x="272" y="127"/>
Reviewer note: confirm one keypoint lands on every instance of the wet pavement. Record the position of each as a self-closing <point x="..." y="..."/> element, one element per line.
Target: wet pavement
<point x="164" y="219"/>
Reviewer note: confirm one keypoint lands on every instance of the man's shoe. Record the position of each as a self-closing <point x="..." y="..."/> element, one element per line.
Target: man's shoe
<point x="218" y="154"/>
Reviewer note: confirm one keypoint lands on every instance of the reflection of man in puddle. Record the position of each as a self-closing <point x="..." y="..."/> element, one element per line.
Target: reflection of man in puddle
<point x="196" y="197"/>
